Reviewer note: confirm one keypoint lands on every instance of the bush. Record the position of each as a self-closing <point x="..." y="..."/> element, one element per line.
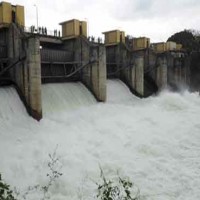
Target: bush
<point x="120" y="189"/>
<point x="53" y="174"/>
<point x="117" y="188"/>
<point x="5" y="192"/>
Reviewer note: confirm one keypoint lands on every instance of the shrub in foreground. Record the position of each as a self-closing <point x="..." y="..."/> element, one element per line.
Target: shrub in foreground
<point x="5" y="192"/>
<point x="117" y="189"/>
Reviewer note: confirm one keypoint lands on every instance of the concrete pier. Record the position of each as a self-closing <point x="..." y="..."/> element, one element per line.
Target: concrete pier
<point x="139" y="71"/>
<point x="178" y="65"/>
<point x="34" y="78"/>
<point x="26" y="73"/>
<point x="99" y="74"/>
<point x="93" y="75"/>
<point x="161" y="72"/>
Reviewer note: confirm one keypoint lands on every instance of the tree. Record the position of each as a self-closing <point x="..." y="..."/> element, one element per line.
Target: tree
<point x="190" y="39"/>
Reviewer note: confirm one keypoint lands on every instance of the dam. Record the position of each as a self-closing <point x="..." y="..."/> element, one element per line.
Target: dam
<point x="31" y="57"/>
<point x="93" y="112"/>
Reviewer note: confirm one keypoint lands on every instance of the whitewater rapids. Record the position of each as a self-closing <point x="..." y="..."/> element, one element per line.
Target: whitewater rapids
<point x="153" y="141"/>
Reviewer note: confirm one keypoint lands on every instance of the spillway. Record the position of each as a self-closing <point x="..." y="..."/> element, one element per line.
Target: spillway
<point x="65" y="97"/>
<point x="62" y="97"/>
<point x="118" y="92"/>
<point x="154" y="141"/>
<point x="10" y="104"/>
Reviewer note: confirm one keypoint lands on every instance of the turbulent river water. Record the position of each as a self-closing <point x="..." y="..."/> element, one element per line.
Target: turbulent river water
<point x="154" y="141"/>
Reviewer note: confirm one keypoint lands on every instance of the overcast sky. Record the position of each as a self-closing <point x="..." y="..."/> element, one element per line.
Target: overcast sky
<point x="157" y="19"/>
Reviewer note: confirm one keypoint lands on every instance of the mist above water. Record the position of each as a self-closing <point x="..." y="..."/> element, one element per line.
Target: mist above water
<point x="154" y="141"/>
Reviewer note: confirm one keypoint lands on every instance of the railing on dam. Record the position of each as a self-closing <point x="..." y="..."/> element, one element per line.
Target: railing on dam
<point x="43" y="31"/>
<point x="57" y="33"/>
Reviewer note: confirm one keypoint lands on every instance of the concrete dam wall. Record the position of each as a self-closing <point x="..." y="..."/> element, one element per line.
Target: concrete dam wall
<point x="29" y="60"/>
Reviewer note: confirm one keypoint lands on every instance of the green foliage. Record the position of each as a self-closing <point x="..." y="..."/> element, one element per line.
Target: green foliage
<point x="5" y="192"/>
<point x="120" y="189"/>
<point x="117" y="188"/>
<point x="53" y="174"/>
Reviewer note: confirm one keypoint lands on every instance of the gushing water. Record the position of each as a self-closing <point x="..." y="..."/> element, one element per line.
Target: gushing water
<point x="154" y="141"/>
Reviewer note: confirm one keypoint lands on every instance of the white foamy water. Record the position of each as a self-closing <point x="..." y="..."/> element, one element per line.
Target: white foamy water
<point x="154" y="141"/>
<point x="64" y="98"/>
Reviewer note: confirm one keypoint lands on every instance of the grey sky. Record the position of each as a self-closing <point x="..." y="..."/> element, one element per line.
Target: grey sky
<point x="157" y="19"/>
